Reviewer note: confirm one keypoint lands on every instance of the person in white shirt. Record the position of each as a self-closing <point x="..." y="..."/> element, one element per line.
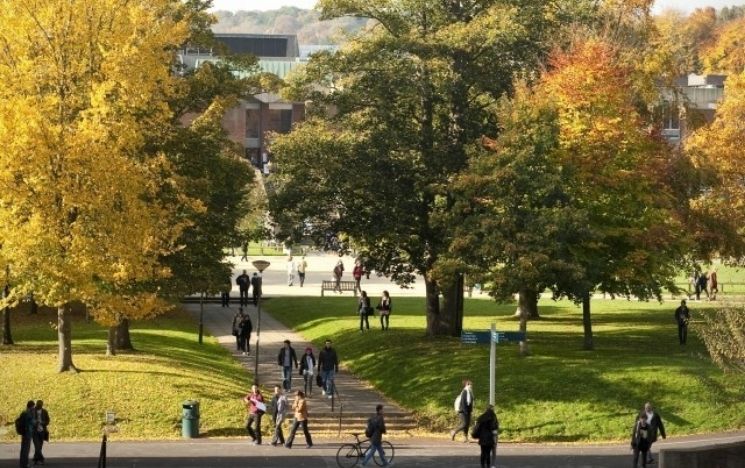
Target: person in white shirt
<point x="291" y="268"/>
<point x="301" y="266"/>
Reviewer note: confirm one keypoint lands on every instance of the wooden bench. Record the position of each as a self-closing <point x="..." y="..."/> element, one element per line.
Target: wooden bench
<point x="343" y="285"/>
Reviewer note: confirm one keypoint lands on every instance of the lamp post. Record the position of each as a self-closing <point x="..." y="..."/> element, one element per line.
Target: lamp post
<point x="260" y="265"/>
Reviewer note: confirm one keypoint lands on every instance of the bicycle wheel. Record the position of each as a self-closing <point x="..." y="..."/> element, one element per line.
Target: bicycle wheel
<point x="388" y="449"/>
<point x="347" y="456"/>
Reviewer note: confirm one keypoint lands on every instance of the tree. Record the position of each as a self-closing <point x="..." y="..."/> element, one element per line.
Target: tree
<point x="723" y="332"/>
<point x="408" y="97"/>
<point x="617" y="178"/>
<point x="727" y="54"/>
<point x="83" y="81"/>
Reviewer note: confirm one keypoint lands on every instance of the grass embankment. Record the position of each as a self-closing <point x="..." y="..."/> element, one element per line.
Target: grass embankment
<point x="145" y="387"/>
<point x="559" y="393"/>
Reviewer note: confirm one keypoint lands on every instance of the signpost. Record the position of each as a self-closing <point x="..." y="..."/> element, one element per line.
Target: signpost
<point x="491" y="337"/>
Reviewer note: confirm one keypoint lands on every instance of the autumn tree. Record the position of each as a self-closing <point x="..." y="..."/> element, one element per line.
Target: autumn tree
<point x="83" y="82"/>
<point x="726" y="54"/>
<point x="723" y="333"/>
<point x="408" y="97"/>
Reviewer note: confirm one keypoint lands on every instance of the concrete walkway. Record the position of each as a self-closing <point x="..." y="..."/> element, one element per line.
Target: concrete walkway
<point x="357" y="397"/>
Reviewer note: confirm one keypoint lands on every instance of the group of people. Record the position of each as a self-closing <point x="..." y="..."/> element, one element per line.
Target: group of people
<point x="365" y="310"/>
<point x="327" y="365"/>
<point x="242" y="328"/>
<point x="701" y="282"/>
<point x="32" y="425"/>
<point x="358" y="271"/>
<point x="298" y="268"/>
<point x="245" y="283"/>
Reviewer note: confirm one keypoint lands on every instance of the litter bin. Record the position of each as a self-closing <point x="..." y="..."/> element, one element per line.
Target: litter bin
<point x="190" y="419"/>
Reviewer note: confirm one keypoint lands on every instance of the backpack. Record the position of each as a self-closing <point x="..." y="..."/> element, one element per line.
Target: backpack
<point x="456" y="404"/>
<point x="21" y="425"/>
<point x="370" y="429"/>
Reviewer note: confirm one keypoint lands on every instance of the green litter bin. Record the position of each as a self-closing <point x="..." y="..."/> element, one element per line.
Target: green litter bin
<point x="190" y="419"/>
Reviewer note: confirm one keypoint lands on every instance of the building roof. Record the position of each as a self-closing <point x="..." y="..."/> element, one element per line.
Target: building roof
<point x="261" y="45"/>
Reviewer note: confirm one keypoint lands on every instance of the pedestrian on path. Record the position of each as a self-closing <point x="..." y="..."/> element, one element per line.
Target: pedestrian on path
<point x="279" y="405"/>
<point x="655" y="427"/>
<point x="225" y="295"/>
<point x="357" y="273"/>
<point x="291" y="269"/>
<point x="375" y="430"/>
<point x="237" y="319"/>
<point x="302" y="265"/>
<point x="682" y="317"/>
<point x="256" y="408"/>
<point x="483" y="432"/>
<point x="41" y="432"/>
<point x="701" y="284"/>
<point x="338" y="272"/>
<point x="300" y="407"/>
<point x="641" y="439"/>
<point x="328" y="365"/>
<point x="713" y="285"/>
<point x="256" y="285"/>
<point x="307" y="365"/>
<point x="364" y="310"/>
<point x="246" y="327"/>
<point x="464" y="408"/>
<point x="244" y="283"/>
<point x="285" y="359"/>
<point x="244" y="251"/>
<point x="385" y="306"/>
<point x="26" y="423"/>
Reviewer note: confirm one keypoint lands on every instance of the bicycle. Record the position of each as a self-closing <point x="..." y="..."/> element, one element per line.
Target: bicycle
<point x="349" y="455"/>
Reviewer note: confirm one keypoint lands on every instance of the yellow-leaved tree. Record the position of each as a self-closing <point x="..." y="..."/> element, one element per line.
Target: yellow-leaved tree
<point x="83" y="81"/>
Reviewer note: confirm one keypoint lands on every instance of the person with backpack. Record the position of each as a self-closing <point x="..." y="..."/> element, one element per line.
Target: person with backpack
<point x="243" y="282"/>
<point x="374" y="431"/>
<point x="364" y="310"/>
<point x="328" y="366"/>
<point x="41" y="433"/>
<point x="464" y="407"/>
<point x="486" y="425"/>
<point x="384" y="306"/>
<point x="307" y="365"/>
<point x="641" y="436"/>
<point x="300" y="407"/>
<point x="279" y="405"/>
<point x="256" y="285"/>
<point x="256" y="408"/>
<point x="244" y="334"/>
<point x="25" y="424"/>
<point x="285" y="359"/>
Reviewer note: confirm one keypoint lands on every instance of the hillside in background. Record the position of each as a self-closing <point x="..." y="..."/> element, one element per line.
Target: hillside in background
<point x="289" y="20"/>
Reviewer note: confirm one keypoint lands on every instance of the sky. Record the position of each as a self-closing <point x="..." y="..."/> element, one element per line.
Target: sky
<point x="234" y="5"/>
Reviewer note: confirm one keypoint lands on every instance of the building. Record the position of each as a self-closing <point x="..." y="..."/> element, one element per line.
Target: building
<point x="251" y="121"/>
<point x="691" y="103"/>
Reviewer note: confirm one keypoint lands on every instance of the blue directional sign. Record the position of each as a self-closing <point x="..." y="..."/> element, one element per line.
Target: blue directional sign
<point x="475" y="337"/>
<point x="509" y="337"/>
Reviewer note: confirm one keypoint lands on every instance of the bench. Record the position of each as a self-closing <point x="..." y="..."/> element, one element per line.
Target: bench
<point x="344" y="286"/>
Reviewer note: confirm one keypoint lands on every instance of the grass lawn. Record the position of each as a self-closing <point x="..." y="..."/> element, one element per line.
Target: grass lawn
<point x="145" y="387"/>
<point x="559" y="393"/>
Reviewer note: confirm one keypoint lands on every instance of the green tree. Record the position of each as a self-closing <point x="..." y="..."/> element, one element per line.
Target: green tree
<point x="408" y="97"/>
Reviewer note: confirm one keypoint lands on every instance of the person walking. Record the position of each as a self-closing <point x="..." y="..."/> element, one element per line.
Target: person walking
<point x="656" y="427"/>
<point x="338" y="272"/>
<point x="464" y="407"/>
<point x="483" y="432"/>
<point x="374" y="431"/>
<point x="682" y="317"/>
<point x="256" y="408"/>
<point x="225" y="295"/>
<point x="713" y="285"/>
<point x="25" y="425"/>
<point x="244" y="251"/>
<point x="280" y="406"/>
<point x="307" y="365"/>
<point x="291" y="269"/>
<point x="357" y="273"/>
<point x="246" y="327"/>
<point x="285" y="359"/>
<point x="384" y="306"/>
<point x="640" y="439"/>
<point x="364" y="310"/>
<point x="328" y="365"/>
<point x="243" y="282"/>
<point x="41" y="432"/>
<point x="301" y="267"/>
<point x="701" y="284"/>
<point x="237" y="319"/>
<point x="300" y="407"/>
<point x="256" y="285"/>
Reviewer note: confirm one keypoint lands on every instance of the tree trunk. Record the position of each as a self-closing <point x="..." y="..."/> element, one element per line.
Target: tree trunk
<point x="587" y="322"/>
<point x="7" y="336"/>
<point x="34" y="308"/>
<point x="123" y="340"/>
<point x="526" y="300"/>
<point x="448" y="319"/>
<point x="64" y="337"/>
<point x="111" y="342"/>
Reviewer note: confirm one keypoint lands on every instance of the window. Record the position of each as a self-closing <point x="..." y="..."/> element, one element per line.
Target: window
<point x="671" y="117"/>
<point x="253" y="123"/>
<point x="280" y="120"/>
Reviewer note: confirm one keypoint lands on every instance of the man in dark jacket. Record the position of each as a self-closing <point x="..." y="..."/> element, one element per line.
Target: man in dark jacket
<point x="244" y="282"/>
<point x="41" y="418"/>
<point x="244" y="334"/>
<point x="256" y="284"/>
<point x="286" y="359"/>
<point x="464" y="408"/>
<point x="28" y="423"/>
<point x="682" y="316"/>
<point x="328" y="365"/>
<point x="375" y="430"/>
<point x="655" y="427"/>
